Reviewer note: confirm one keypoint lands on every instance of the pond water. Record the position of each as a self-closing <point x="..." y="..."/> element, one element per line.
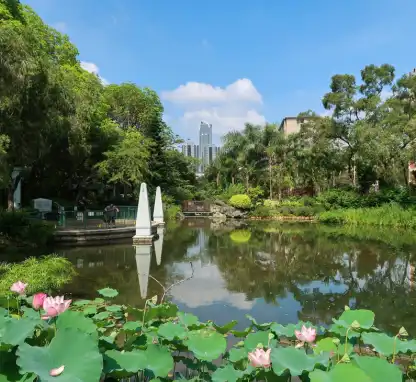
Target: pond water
<point x="274" y="272"/>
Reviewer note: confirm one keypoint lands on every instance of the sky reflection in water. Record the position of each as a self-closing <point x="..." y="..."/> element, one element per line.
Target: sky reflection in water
<point x="273" y="272"/>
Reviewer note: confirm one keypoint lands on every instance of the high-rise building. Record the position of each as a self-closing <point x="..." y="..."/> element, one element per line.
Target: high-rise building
<point x="205" y="142"/>
<point x="206" y="152"/>
<point x="190" y="149"/>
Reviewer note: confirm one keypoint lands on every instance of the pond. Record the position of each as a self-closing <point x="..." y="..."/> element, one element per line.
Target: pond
<point x="271" y="271"/>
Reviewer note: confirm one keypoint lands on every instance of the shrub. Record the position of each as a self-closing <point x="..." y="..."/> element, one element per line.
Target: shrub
<point x="333" y="199"/>
<point x="42" y="274"/>
<point x="303" y="211"/>
<point x="262" y="211"/>
<point x="18" y="226"/>
<point x="255" y="193"/>
<point x="241" y="201"/>
<point x="172" y="211"/>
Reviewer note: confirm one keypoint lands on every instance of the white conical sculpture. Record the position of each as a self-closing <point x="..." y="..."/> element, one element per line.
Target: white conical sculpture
<point x="158" y="208"/>
<point x="159" y="245"/>
<point x="143" y="223"/>
<point x="143" y="258"/>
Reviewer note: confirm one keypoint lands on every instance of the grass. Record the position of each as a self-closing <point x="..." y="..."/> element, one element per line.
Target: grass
<point x="389" y="215"/>
<point x="42" y="274"/>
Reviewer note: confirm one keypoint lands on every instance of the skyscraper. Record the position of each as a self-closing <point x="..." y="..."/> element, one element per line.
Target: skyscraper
<point x="205" y="142"/>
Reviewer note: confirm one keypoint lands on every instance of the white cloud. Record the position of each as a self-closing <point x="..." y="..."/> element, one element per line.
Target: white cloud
<point x="206" y="288"/>
<point x="226" y="108"/>
<point x="94" y="69"/>
<point x="241" y="90"/>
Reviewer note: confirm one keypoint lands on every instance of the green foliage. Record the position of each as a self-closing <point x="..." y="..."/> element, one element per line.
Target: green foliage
<point x="255" y="193"/>
<point x="46" y="273"/>
<point x="172" y="211"/>
<point x="385" y="216"/>
<point x="107" y="345"/>
<point x="20" y="228"/>
<point x="241" y="201"/>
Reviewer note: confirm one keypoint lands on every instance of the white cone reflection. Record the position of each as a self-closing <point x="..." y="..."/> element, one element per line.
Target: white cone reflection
<point x="143" y="258"/>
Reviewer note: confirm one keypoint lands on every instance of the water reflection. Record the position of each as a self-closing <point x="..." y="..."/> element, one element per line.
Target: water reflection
<point x="273" y="272"/>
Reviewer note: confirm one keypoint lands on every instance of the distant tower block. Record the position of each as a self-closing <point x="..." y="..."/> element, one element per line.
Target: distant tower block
<point x="143" y="258"/>
<point x="159" y="245"/>
<point x="158" y="208"/>
<point x="143" y="224"/>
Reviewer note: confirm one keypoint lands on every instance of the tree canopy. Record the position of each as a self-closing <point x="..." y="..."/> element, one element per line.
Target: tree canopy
<point x="72" y="136"/>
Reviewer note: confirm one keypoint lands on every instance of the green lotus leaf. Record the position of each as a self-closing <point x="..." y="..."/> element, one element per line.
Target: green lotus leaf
<point x="75" y="350"/>
<point x="188" y="319"/>
<point x="169" y="330"/>
<point x="206" y="345"/>
<point x="295" y="360"/>
<point x="365" y="318"/>
<point x="226" y="374"/>
<point x="14" y="332"/>
<point x="76" y="320"/>
<point x="108" y="292"/>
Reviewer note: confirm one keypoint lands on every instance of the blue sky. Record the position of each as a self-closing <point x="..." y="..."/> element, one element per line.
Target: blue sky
<point x="232" y="61"/>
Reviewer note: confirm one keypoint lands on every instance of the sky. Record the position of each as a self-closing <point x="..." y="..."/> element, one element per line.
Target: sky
<point x="234" y="61"/>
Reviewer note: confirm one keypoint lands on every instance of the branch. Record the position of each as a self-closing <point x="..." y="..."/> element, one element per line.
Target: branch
<point x="166" y="290"/>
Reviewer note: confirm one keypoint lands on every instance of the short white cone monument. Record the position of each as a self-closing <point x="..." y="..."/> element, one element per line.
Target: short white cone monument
<point x="143" y="258"/>
<point x="158" y="208"/>
<point x="159" y="245"/>
<point x="143" y="224"/>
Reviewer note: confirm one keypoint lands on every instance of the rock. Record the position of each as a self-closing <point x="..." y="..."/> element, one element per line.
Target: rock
<point x="219" y="208"/>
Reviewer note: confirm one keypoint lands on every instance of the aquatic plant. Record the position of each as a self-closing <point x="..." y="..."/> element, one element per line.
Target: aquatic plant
<point x="95" y="340"/>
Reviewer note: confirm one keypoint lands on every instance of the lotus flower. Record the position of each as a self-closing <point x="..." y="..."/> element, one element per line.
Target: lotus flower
<point x="260" y="358"/>
<point x="57" y="371"/>
<point x="38" y="300"/>
<point x="55" y="306"/>
<point x="305" y="335"/>
<point x="19" y="287"/>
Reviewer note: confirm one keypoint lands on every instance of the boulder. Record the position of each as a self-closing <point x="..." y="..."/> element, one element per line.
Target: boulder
<point x="220" y="209"/>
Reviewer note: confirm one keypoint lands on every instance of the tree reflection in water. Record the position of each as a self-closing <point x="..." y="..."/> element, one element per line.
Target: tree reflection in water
<point x="309" y="272"/>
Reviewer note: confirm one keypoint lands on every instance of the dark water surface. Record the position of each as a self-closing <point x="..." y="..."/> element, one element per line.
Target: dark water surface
<point x="274" y="272"/>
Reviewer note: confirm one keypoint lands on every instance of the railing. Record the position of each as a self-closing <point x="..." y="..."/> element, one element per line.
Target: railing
<point x="94" y="219"/>
<point x="195" y="206"/>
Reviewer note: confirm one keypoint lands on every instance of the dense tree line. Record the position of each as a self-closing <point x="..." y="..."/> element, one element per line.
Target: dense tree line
<point x="73" y="137"/>
<point x="368" y="139"/>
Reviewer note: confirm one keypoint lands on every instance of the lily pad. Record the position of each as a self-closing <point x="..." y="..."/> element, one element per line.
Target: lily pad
<point x="76" y="351"/>
<point x="187" y="319"/>
<point x="169" y="330"/>
<point x="364" y="317"/>
<point x="108" y="292"/>
<point x="295" y="360"/>
<point x="76" y="320"/>
<point x="226" y="374"/>
<point x="206" y="345"/>
<point x="14" y="332"/>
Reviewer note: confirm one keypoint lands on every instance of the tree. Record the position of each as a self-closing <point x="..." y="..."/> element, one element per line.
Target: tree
<point x="127" y="162"/>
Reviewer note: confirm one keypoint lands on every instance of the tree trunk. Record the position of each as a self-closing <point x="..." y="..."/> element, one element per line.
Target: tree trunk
<point x="247" y="183"/>
<point x="270" y="181"/>
<point x="10" y="201"/>
<point x="218" y="179"/>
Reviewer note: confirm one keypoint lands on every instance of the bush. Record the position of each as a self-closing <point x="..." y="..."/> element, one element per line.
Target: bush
<point x="388" y="215"/>
<point x="255" y="193"/>
<point x="241" y="201"/>
<point x="172" y="211"/>
<point x="333" y="199"/>
<point x="19" y="227"/>
<point x="233" y="189"/>
<point x="262" y="211"/>
<point x="44" y="274"/>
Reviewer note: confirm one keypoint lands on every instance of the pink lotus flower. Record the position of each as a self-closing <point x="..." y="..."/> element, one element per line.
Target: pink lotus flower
<point x="55" y="306"/>
<point x="305" y="335"/>
<point x="57" y="371"/>
<point x="38" y="300"/>
<point x="18" y="287"/>
<point x="260" y="358"/>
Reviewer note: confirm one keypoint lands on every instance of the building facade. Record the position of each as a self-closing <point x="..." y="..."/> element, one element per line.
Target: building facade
<point x="206" y="152"/>
<point x="290" y="125"/>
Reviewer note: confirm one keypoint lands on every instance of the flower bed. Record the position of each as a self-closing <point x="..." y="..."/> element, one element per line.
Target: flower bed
<point x="54" y="339"/>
